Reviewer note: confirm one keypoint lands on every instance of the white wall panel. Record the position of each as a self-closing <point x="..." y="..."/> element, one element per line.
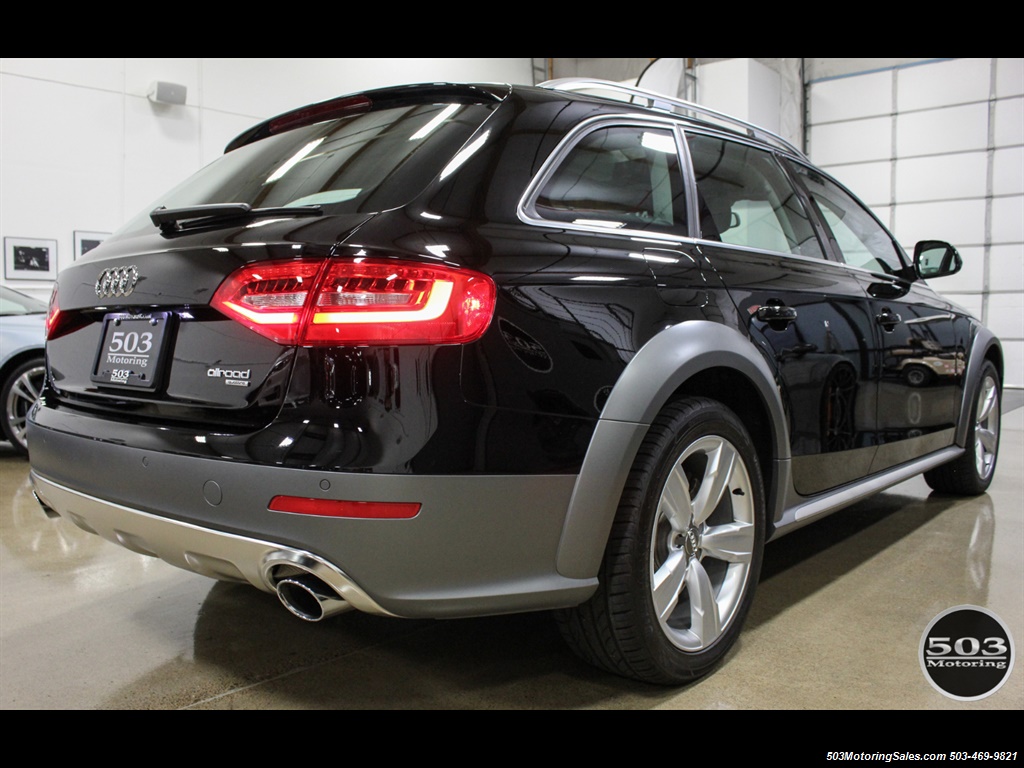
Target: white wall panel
<point x="871" y="182"/>
<point x="1008" y="219"/>
<point x="970" y="278"/>
<point x="1009" y="77"/>
<point x="847" y="98"/>
<point x="217" y="129"/>
<point x="99" y="73"/>
<point x="1006" y="315"/>
<point x="961" y="223"/>
<point x="1009" y="117"/>
<point x="161" y="150"/>
<point x="947" y="177"/>
<point x="1008" y="171"/>
<point x="935" y="131"/>
<point x="37" y="117"/>
<point x="56" y="180"/>
<point x="744" y="88"/>
<point x="942" y="83"/>
<point x="1013" y="363"/>
<point x="852" y="142"/>
<point x="1006" y="267"/>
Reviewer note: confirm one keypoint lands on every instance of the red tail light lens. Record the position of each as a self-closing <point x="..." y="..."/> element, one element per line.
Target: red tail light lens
<point x="52" y="314"/>
<point x="359" y="303"/>
<point x="269" y="298"/>
<point x="60" y="323"/>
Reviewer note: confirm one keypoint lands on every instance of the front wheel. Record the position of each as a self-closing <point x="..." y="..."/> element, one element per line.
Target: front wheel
<point x="684" y="553"/>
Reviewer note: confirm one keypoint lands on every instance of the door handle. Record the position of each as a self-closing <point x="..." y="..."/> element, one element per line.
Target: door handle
<point x="778" y="316"/>
<point x="888" y="319"/>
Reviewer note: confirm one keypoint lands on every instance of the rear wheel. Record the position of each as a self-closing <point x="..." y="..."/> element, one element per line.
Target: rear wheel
<point x="971" y="473"/>
<point x="684" y="554"/>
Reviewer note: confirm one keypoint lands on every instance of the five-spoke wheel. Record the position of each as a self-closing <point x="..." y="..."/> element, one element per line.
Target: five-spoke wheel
<point x="702" y="543"/>
<point x="18" y="393"/>
<point x="684" y="553"/>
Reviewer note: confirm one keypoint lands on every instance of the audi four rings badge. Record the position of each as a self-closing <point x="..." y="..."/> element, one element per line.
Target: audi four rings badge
<point x="118" y="281"/>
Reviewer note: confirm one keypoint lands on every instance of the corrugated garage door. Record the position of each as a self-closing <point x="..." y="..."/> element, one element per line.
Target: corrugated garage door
<point x="937" y="149"/>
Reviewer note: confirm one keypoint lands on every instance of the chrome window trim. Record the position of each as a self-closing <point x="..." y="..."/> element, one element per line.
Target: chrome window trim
<point x="718" y="244"/>
<point x="667" y="104"/>
<point x="774" y="154"/>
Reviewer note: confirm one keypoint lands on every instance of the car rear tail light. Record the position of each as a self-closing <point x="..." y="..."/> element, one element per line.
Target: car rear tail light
<point x="371" y="510"/>
<point x="60" y="323"/>
<point x="53" y="313"/>
<point x="359" y="303"/>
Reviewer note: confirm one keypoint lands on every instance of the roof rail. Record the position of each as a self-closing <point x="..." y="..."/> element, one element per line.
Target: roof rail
<point x="670" y="104"/>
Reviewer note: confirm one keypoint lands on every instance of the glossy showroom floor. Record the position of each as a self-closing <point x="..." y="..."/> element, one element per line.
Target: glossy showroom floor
<point x="837" y="622"/>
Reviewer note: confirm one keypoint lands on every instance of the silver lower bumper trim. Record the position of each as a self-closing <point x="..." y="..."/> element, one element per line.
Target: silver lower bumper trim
<point x="215" y="554"/>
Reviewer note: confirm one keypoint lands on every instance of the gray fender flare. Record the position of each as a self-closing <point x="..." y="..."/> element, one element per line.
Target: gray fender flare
<point x="661" y="366"/>
<point x="984" y="340"/>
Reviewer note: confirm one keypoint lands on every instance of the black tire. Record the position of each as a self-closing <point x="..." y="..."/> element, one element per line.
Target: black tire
<point x="971" y="473"/>
<point x="17" y="394"/>
<point x="685" y="538"/>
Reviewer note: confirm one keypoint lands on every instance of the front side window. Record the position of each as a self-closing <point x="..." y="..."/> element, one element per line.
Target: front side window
<point x="855" y="233"/>
<point x="621" y="177"/>
<point x="744" y="198"/>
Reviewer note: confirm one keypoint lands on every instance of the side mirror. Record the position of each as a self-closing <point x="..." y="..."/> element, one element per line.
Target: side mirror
<point x="936" y="258"/>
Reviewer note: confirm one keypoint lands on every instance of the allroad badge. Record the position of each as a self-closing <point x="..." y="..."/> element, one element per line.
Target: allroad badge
<point x="234" y="378"/>
<point x="116" y="282"/>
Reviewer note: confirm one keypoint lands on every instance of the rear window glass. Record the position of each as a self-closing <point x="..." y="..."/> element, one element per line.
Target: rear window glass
<point x="360" y="164"/>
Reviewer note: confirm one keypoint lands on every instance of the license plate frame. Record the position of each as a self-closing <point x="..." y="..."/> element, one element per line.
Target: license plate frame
<point x="131" y="350"/>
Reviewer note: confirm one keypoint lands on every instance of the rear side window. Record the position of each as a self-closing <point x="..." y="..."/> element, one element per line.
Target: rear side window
<point x="745" y="198"/>
<point x="620" y="177"/>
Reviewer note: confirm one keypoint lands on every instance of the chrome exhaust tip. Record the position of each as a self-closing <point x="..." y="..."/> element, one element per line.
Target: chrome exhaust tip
<point x="310" y="598"/>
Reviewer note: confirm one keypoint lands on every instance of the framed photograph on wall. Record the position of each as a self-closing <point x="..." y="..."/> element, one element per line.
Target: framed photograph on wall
<point x="86" y="241"/>
<point x="28" y="258"/>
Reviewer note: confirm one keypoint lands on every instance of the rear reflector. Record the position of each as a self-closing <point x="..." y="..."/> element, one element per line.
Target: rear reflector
<point x="371" y="510"/>
<point x="359" y="303"/>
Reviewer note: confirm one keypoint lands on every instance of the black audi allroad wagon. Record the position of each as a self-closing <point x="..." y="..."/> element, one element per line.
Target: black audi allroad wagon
<point x="453" y="350"/>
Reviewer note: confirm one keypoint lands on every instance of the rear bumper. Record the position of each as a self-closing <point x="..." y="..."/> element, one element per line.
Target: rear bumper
<point x="219" y="555"/>
<point x="479" y="545"/>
